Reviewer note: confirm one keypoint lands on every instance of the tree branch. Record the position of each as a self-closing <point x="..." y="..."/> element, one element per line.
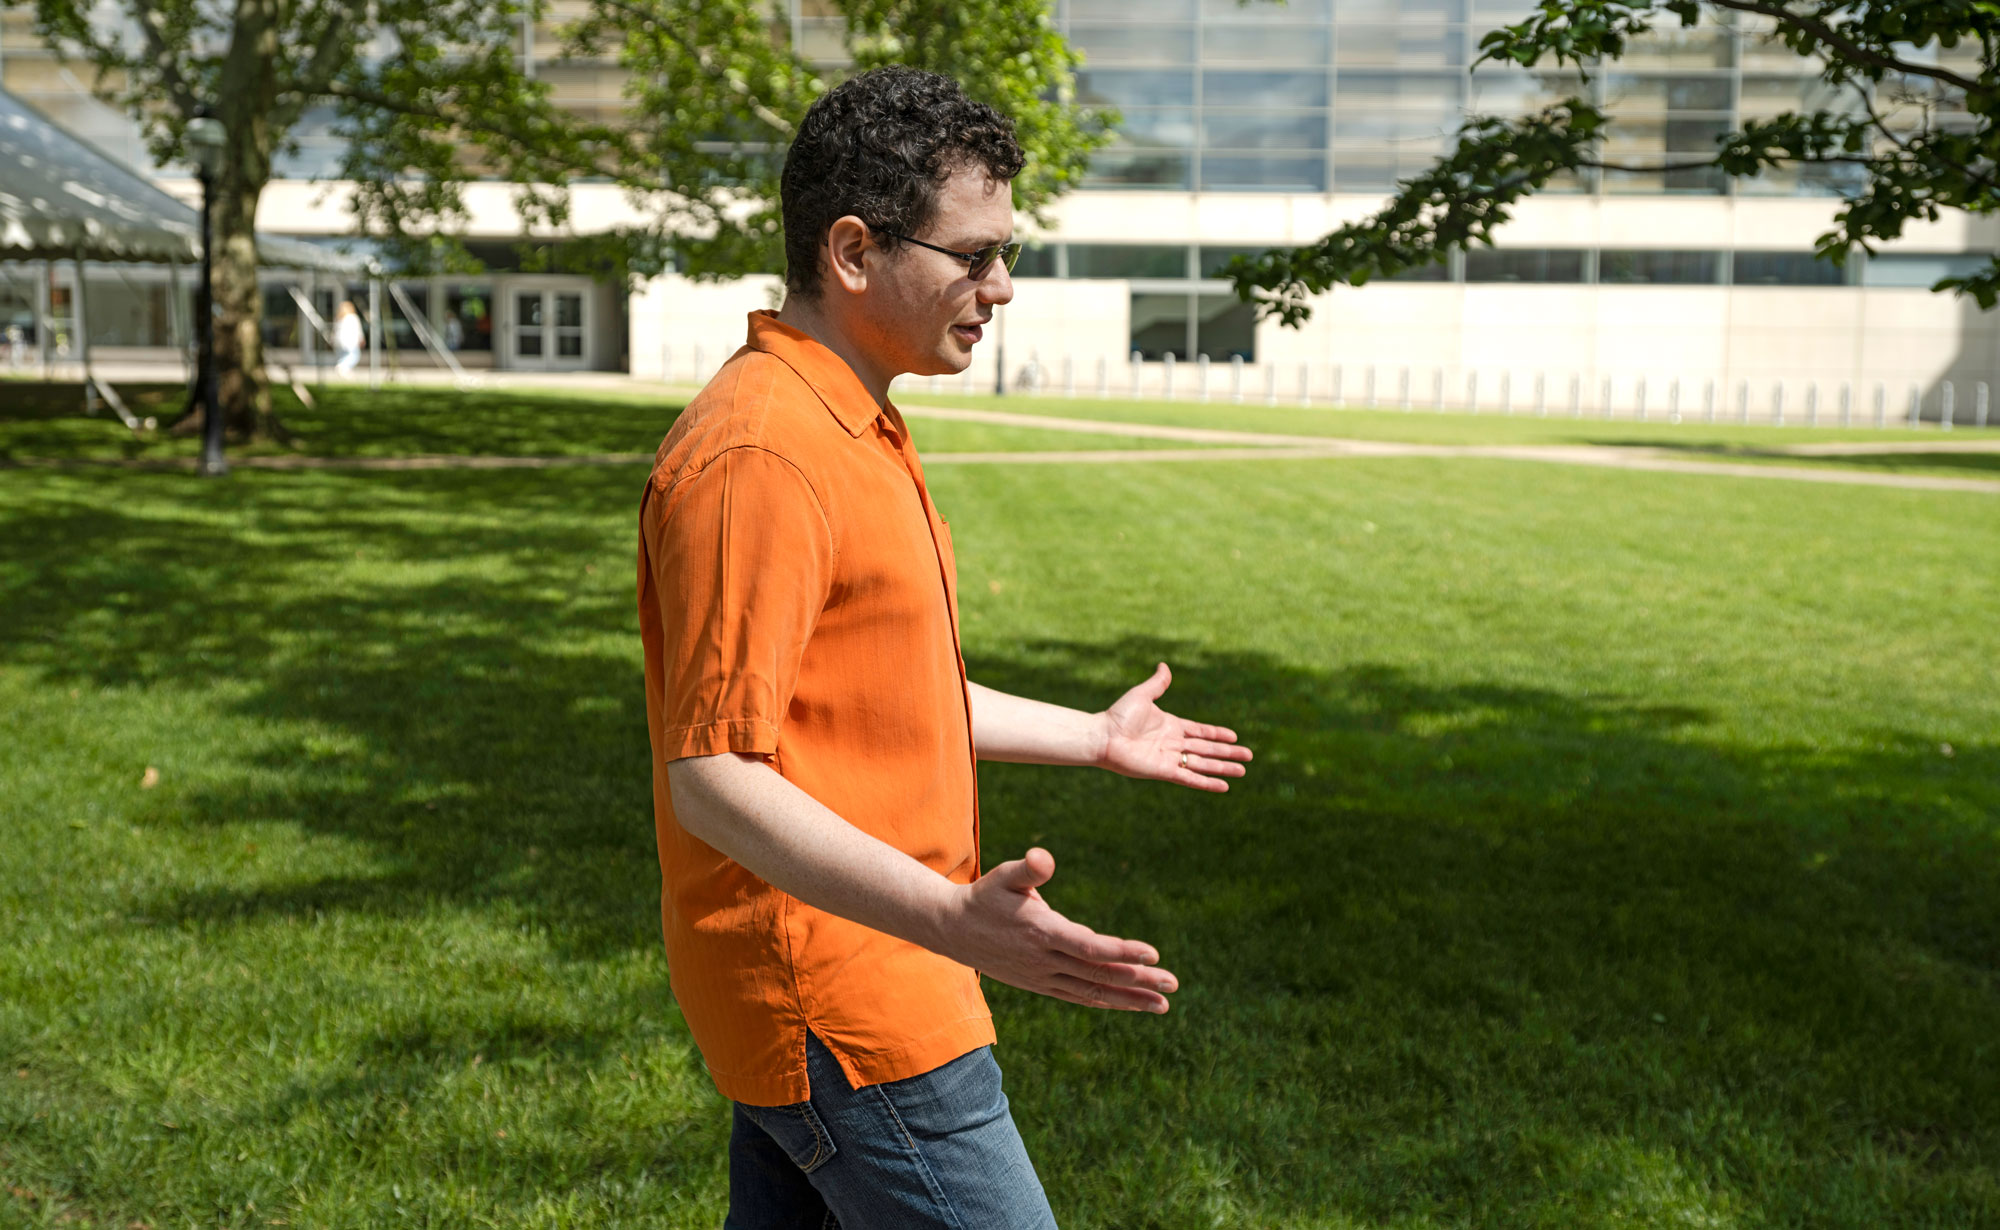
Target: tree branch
<point x="708" y="65"/>
<point x="1846" y="46"/>
<point x="331" y="53"/>
<point x="525" y="140"/>
<point x="162" y="55"/>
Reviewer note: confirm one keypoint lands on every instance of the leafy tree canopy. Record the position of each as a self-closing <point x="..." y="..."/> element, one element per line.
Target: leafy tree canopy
<point x="1908" y="131"/>
<point x="428" y="96"/>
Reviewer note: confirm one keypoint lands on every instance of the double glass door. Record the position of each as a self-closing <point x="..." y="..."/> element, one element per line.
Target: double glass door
<point x="549" y="328"/>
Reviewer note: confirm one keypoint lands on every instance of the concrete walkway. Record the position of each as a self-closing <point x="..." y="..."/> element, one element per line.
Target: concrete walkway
<point x="1226" y="446"/>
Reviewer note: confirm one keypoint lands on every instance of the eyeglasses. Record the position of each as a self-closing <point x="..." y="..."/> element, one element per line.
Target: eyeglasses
<point x="977" y="263"/>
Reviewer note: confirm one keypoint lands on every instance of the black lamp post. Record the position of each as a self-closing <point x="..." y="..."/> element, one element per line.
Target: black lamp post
<point x="205" y="137"/>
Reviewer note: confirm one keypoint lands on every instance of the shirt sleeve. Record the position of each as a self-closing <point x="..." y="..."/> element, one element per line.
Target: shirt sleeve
<point x="742" y="563"/>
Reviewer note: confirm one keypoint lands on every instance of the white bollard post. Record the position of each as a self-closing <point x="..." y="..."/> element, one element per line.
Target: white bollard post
<point x="1604" y="403"/>
<point x="1708" y="400"/>
<point x="1846" y="404"/>
<point x="1069" y="376"/>
<point x="697" y="365"/>
<point x="1812" y="404"/>
<point x="1575" y="396"/>
<point x="1236" y="378"/>
<point x="1507" y="392"/>
<point x="1778" y="404"/>
<point x="1742" y="402"/>
<point x="1138" y="371"/>
<point x="1201" y="375"/>
<point x="1103" y="376"/>
<point x="1541" y="395"/>
<point x="1305" y="384"/>
<point x="1916" y="406"/>
<point x="1167" y="375"/>
<point x="1947" y="405"/>
<point x="1979" y="405"/>
<point x="965" y="382"/>
<point x="937" y="382"/>
<point x="666" y="363"/>
<point x="1270" y="384"/>
<point x="1368" y="383"/>
<point x="1335" y="374"/>
<point x="1639" y="400"/>
<point x="1881" y="406"/>
<point x="1437" y="389"/>
<point x="1472" y="392"/>
<point x="1403" y="389"/>
<point x="1674" y="401"/>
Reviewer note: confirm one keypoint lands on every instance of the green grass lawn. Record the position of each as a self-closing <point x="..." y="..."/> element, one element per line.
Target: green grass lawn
<point x="1623" y="849"/>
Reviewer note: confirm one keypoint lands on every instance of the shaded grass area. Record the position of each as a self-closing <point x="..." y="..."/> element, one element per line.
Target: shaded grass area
<point x="1622" y="850"/>
<point x="1950" y="464"/>
<point x="46" y="422"/>
<point x="1429" y="427"/>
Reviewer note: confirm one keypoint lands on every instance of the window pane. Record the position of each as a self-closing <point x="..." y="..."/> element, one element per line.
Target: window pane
<point x="1499" y="91"/>
<point x="1272" y="173"/>
<point x="1631" y="92"/>
<point x="1131" y="10"/>
<point x="401" y="334"/>
<point x="569" y="345"/>
<point x="1658" y="267"/>
<point x="1213" y="259"/>
<point x="1418" y="46"/>
<point x="1676" y="136"/>
<point x="1835" y="180"/>
<point x="281" y="315"/>
<point x="468" y="316"/>
<point x="1127" y="260"/>
<point x="528" y="308"/>
<point x="1378" y="127"/>
<point x="1140" y="169"/>
<point x="1375" y="88"/>
<point x="1037" y="261"/>
<point x="1238" y="89"/>
<point x="569" y="311"/>
<point x="1160" y="325"/>
<point x="1676" y="47"/>
<point x="1638" y="179"/>
<point x="1785" y="269"/>
<point x="1290" y="11"/>
<point x="1269" y="46"/>
<point x="1397" y="10"/>
<point x="1225" y="327"/>
<point x="1133" y="44"/>
<point x="1135" y="88"/>
<point x="1767" y="96"/>
<point x="1920" y="269"/>
<point x="1263" y="130"/>
<point x="1157" y="126"/>
<point x="528" y="342"/>
<point x="1552" y="265"/>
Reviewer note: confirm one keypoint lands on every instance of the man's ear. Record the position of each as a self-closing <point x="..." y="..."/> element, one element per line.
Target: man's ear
<point x="848" y="245"/>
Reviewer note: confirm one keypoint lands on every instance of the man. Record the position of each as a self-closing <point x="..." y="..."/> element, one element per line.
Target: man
<point x="813" y="730"/>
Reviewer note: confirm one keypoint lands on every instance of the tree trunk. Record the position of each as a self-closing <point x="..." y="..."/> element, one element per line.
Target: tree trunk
<point x="247" y="97"/>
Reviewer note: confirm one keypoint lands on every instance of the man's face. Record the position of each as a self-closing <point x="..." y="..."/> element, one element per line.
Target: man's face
<point x="923" y="313"/>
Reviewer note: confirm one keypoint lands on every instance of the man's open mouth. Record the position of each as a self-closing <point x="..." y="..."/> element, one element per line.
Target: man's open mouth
<point x="968" y="333"/>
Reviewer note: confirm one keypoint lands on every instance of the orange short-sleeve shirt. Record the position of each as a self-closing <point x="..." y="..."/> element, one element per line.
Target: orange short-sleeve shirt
<point x="798" y="601"/>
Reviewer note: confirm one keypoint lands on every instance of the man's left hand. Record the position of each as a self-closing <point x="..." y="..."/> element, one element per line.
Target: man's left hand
<point x="1144" y="740"/>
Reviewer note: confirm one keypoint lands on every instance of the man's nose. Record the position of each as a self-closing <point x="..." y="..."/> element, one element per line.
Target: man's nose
<point x="997" y="287"/>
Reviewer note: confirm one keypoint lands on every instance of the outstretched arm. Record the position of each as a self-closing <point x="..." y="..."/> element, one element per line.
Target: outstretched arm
<point x="1134" y="737"/>
<point x="998" y="924"/>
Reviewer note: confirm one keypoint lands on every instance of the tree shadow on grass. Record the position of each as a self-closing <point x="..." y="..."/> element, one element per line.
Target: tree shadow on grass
<point x="1484" y="954"/>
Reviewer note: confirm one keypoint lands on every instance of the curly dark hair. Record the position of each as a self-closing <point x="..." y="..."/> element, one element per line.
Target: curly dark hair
<point x="880" y="146"/>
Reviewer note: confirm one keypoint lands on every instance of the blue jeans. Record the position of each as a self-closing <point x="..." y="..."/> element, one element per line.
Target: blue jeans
<point x="934" y="1150"/>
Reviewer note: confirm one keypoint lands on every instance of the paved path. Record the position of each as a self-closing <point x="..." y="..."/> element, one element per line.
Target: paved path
<point x="1228" y="446"/>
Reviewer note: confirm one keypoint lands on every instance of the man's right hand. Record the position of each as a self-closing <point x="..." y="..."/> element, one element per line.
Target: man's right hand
<point x="1000" y="926"/>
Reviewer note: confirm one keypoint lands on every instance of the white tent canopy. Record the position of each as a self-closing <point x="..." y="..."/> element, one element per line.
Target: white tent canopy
<point x="61" y="199"/>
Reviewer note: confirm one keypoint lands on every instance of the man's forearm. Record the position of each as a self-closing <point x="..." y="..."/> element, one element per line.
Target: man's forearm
<point x="1023" y="731"/>
<point x="789" y="839"/>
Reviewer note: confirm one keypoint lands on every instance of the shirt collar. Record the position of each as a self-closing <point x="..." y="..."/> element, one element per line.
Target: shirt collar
<point x="828" y="374"/>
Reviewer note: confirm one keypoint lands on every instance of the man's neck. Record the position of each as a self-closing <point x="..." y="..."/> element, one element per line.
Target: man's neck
<point x="805" y="315"/>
